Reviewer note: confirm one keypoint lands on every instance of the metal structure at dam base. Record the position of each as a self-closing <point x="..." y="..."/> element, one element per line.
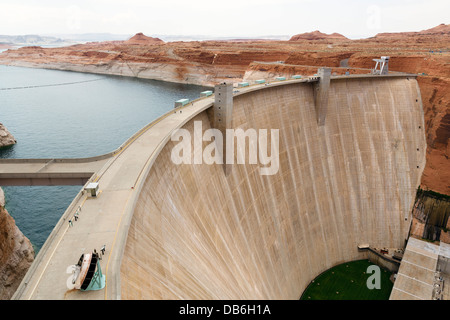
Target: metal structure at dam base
<point x="351" y="155"/>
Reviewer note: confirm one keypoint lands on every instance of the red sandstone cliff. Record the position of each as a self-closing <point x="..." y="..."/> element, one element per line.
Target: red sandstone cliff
<point x="16" y="255"/>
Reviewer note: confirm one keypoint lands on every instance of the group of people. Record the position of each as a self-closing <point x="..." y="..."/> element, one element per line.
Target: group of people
<point x="75" y="216"/>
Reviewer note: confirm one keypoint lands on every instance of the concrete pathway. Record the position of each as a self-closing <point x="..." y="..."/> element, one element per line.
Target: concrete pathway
<point x="101" y="219"/>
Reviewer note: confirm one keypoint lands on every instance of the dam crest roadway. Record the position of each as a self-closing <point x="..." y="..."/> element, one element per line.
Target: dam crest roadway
<point x="136" y="259"/>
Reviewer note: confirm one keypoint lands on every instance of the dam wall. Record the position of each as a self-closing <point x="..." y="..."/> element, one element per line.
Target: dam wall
<point x="197" y="233"/>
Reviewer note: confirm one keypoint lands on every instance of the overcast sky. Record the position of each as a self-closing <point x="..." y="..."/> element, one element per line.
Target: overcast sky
<point x="243" y="18"/>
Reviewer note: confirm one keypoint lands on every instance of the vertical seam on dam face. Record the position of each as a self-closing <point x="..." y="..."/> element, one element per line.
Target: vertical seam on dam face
<point x="197" y="233"/>
<point x="321" y="92"/>
<point x="222" y="116"/>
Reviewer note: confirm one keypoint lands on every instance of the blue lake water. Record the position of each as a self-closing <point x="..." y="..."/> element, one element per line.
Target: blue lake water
<point x="63" y="114"/>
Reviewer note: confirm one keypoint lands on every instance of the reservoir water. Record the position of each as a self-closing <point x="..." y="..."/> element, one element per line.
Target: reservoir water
<point x="63" y="114"/>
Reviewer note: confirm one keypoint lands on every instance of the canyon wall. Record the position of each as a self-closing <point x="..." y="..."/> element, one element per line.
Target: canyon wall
<point x="16" y="254"/>
<point x="197" y="233"/>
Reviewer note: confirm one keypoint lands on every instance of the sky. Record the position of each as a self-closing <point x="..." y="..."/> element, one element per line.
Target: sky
<point x="240" y="18"/>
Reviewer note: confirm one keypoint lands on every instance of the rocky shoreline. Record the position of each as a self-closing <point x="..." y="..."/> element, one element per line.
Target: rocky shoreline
<point x="6" y="138"/>
<point x="156" y="71"/>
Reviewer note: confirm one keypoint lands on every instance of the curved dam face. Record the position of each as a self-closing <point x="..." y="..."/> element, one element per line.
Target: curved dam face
<point x="197" y="233"/>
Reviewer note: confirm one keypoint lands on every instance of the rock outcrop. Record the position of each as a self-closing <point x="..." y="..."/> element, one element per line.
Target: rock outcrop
<point x="317" y="35"/>
<point x="140" y="38"/>
<point x="16" y="254"/>
<point x="442" y="29"/>
<point x="6" y="138"/>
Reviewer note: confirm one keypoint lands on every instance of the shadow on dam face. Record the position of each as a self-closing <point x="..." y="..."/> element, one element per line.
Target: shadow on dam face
<point x="197" y="233"/>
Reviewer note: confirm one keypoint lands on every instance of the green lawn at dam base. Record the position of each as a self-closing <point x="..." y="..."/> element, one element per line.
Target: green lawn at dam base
<point x="348" y="281"/>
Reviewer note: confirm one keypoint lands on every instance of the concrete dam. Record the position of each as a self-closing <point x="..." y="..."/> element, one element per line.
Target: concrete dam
<point x="199" y="234"/>
<point x="349" y="167"/>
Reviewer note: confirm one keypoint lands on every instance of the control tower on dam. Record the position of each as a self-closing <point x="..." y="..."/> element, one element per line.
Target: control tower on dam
<point x="349" y="167"/>
<point x="346" y="157"/>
